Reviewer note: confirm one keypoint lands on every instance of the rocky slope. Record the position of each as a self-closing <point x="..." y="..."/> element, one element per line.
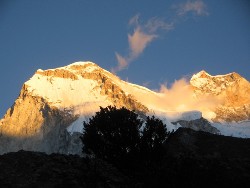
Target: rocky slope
<point x="32" y="124"/>
<point x="231" y="90"/>
<point x="48" y="115"/>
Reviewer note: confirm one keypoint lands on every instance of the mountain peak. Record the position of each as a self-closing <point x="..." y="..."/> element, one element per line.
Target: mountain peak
<point x="81" y="65"/>
<point x="67" y="85"/>
<point x="202" y="79"/>
<point x="72" y="66"/>
<point x="74" y="71"/>
<point x="202" y="74"/>
<point x="82" y="83"/>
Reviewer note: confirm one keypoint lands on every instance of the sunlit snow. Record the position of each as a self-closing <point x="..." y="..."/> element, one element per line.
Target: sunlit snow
<point x="83" y="97"/>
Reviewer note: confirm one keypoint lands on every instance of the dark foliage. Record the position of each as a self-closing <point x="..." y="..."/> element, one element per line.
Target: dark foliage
<point x="114" y="135"/>
<point x="152" y="151"/>
<point x="36" y="169"/>
<point x="153" y="135"/>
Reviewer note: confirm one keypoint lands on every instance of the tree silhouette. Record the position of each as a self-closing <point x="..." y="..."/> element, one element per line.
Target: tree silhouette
<point x="153" y="136"/>
<point x="112" y="134"/>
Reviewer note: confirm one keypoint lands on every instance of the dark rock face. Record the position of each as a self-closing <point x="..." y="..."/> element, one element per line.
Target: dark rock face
<point x="198" y="125"/>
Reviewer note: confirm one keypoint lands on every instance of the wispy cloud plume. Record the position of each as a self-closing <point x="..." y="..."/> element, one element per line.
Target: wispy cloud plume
<point x="197" y="7"/>
<point x="145" y="33"/>
<point x="180" y="98"/>
<point x="140" y="38"/>
<point x="122" y="63"/>
<point x="138" y="41"/>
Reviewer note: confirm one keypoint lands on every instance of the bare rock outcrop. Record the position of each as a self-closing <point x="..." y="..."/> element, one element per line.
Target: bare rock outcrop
<point x="31" y="124"/>
<point x="60" y="73"/>
<point x="198" y="125"/>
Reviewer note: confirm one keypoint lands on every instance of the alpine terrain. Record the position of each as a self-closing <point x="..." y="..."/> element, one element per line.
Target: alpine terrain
<point x="48" y="115"/>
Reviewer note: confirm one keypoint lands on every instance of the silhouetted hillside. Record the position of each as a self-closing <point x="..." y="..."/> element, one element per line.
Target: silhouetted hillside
<point x="204" y="144"/>
<point x="198" y="159"/>
<point x="35" y="169"/>
<point x="193" y="159"/>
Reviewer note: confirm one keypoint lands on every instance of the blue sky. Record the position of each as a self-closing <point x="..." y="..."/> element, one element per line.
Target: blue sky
<point x="145" y="42"/>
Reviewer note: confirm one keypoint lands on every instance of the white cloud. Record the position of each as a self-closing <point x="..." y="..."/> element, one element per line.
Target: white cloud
<point x="155" y="24"/>
<point x="144" y="34"/>
<point x="141" y="37"/>
<point x="198" y="7"/>
<point x="138" y="41"/>
<point x="134" y="20"/>
<point x="122" y="63"/>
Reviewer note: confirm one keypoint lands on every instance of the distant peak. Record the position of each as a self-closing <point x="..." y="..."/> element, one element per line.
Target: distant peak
<point x="82" y="63"/>
<point x="204" y="74"/>
<point x="215" y="83"/>
<point x="201" y="74"/>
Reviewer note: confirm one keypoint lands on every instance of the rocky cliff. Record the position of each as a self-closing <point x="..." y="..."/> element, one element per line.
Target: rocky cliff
<point x="32" y="124"/>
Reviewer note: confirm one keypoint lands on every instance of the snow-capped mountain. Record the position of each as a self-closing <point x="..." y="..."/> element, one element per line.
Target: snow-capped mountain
<point x="232" y="92"/>
<point x="48" y="115"/>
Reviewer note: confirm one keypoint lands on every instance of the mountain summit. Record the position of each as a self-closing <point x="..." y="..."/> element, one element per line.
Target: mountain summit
<point x="232" y="90"/>
<point x="49" y="112"/>
<point x="81" y="83"/>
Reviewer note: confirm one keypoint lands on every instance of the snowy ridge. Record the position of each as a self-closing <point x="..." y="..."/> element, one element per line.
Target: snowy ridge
<point x="69" y="92"/>
<point x="240" y="129"/>
<point x="73" y="87"/>
<point x="64" y="93"/>
<point x="204" y="74"/>
<point x="67" y="87"/>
